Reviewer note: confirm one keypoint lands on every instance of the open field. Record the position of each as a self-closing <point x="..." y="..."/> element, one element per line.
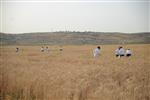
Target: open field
<point x="74" y="74"/>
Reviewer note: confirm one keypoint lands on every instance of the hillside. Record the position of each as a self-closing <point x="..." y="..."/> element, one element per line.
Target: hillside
<point x="73" y="38"/>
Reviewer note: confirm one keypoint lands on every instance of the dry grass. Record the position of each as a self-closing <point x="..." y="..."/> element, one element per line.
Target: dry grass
<point x="74" y="74"/>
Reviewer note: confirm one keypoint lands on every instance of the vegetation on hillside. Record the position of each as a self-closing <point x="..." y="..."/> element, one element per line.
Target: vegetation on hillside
<point x="74" y="38"/>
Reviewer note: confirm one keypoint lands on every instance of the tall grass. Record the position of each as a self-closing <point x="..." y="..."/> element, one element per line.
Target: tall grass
<point x="74" y="74"/>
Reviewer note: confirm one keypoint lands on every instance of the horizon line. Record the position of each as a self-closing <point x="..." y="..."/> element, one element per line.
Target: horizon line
<point x="74" y="1"/>
<point x="74" y="32"/>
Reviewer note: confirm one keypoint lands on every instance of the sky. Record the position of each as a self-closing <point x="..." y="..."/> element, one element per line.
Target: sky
<point x="23" y="16"/>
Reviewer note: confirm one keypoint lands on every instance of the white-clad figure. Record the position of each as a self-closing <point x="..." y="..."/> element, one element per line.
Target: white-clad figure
<point x="42" y="49"/>
<point x="117" y="52"/>
<point x="47" y="49"/>
<point x="128" y="53"/>
<point x="17" y="49"/>
<point x="121" y="52"/>
<point x="96" y="52"/>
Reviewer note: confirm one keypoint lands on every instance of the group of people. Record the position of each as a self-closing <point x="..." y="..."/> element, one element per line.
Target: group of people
<point x="119" y="52"/>
<point x="47" y="49"/>
<point x="44" y="49"/>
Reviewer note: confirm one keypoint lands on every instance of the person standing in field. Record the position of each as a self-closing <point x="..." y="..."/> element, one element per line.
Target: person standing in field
<point x="42" y="49"/>
<point x="47" y="49"/>
<point x="117" y="52"/>
<point x="96" y="52"/>
<point x="128" y="53"/>
<point x="121" y="52"/>
<point x="17" y="49"/>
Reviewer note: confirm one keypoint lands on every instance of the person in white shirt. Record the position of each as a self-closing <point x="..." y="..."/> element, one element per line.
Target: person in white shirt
<point x="47" y="49"/>
<point x="96" y="52"/>
<point x="42" y="49"/>
<point x="121" y="52"/>
<point x="128" y="53"/>
<point x="117" y="52"/>
<point x="17" y="49"/>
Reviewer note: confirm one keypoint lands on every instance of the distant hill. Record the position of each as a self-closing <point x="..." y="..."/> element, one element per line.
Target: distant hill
<point x="73" y="38"/>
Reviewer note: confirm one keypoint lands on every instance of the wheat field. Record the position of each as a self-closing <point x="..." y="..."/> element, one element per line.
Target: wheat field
<point x="73" y="74"/>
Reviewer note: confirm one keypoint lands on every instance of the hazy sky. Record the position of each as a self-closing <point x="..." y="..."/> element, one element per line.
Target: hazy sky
<point x="74" y="15"/>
